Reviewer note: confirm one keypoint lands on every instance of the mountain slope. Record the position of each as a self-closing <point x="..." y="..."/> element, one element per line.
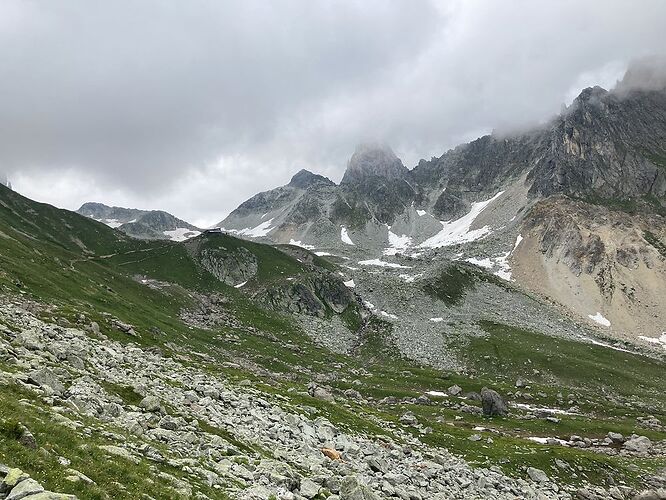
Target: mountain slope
<point x="143" y="224"/>
<point x="223" y="367"/>
<point x="585" y="192"/>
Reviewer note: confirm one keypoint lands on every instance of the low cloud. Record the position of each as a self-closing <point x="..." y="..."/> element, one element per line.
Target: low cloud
<point x="193" y="107"/>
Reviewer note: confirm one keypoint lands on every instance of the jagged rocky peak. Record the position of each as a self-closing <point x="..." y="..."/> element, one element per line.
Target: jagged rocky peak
<point x="304" y="179"/>
<point x="374" y="160"/>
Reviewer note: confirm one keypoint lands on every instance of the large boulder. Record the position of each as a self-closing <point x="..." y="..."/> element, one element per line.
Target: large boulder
<point x="44" y="378"/>
<point x="492" y="403"/>
<point x="638" y="444"/>
<point x="351" y="488"/>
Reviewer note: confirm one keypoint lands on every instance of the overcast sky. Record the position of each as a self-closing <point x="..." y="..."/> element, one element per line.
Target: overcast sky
<point x="193" y="106"/>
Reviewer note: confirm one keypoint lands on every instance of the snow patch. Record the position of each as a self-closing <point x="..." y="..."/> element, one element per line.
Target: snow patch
<point x="555" y="411"/>
<point x="256" y="232"/>
<point x="458" y="231"/>
<point x="499" y="262"/>
<point x="301" y="244"/>
<point x="437" y="394"/>
<point x="181" y="234"/>
<point x="436" y="320"/>
<point x="409" y="278"/>
<point x="661" y="340"/>
<point x="519" y="238"/>
<point x="599" y="318"/>
<point x="541" y="440"/>
<point x="240" y="285"/>
<point x="397" y="244"/>
<point x="388" y="315"/>
<point x="114" y="223"/>
<point x="350" y="283"/>
<point x="322" y="254"/>
<point x="381" y="263"/>
<point x="344" y="236"/>
<point x="421" y="212"/>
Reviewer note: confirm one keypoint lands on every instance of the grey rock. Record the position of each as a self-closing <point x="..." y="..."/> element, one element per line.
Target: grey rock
<point x="308" y="488"/>
<point x="454" y="390"/>
<point x="24" y="489"/>
<point x="537" y="475"/>
<point x="492" y="403"/>
<point x="44" y="377"/>
<point x="638" y="444"/>
<point x="351" y="488"/>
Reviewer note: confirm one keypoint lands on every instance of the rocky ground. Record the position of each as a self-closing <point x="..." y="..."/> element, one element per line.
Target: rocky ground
<point x="206" y="436"/>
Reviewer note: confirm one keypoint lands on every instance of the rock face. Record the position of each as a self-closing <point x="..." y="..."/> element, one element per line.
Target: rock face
<point x="492" y="403"/>
<point x="232" y="267"/>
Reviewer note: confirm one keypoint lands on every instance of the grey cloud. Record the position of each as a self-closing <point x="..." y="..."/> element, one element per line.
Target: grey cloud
<point x="194" y="106"/>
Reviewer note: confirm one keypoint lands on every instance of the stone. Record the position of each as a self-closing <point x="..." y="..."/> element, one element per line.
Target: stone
<point x="150" y="403"/>
<point x="12" y="478"/>
<point x="44" y="377"/>
<point x="119" y="452"/>
<point x="351" y="488"/>
<point x="520" y="383"/>
<point x="638" y="444"/>
<point x="27" y="439"/>
<point x="492" y="403"/>
<point x="454" y="390"/>
<point x="308" y="488"/>
<point x="25" y="488"/>
<point x="537" y="475"/>
<point x="616" y="437"/>
<point x="409" y="419"/>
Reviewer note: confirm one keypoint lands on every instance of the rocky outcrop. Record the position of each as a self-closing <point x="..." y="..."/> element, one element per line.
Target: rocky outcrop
<point x="230" y="267"/>
<point x="17" y="484"/>
<point x="316" y="295"/>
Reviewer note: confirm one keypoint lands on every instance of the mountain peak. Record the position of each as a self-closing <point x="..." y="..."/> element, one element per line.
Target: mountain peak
<point x="374" y="160"/>
<point x="304" y="179"/>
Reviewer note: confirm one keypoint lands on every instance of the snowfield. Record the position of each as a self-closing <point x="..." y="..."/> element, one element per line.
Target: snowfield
<point x="599" y="318"/>
<point x="458" y="231"/>
<point x="301" y="244"/>
<point x="344" y="236"/>
<point x="181" y="234"/>
<point x="256" y="232"/>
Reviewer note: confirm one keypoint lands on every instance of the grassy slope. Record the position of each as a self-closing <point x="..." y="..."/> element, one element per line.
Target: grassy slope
<point x="38" y="251"/>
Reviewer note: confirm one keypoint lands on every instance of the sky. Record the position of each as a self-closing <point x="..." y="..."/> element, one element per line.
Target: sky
<point x="193" y="107"/>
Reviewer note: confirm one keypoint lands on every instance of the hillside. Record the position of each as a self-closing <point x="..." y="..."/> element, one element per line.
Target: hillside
<point x="224" y="367"/>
